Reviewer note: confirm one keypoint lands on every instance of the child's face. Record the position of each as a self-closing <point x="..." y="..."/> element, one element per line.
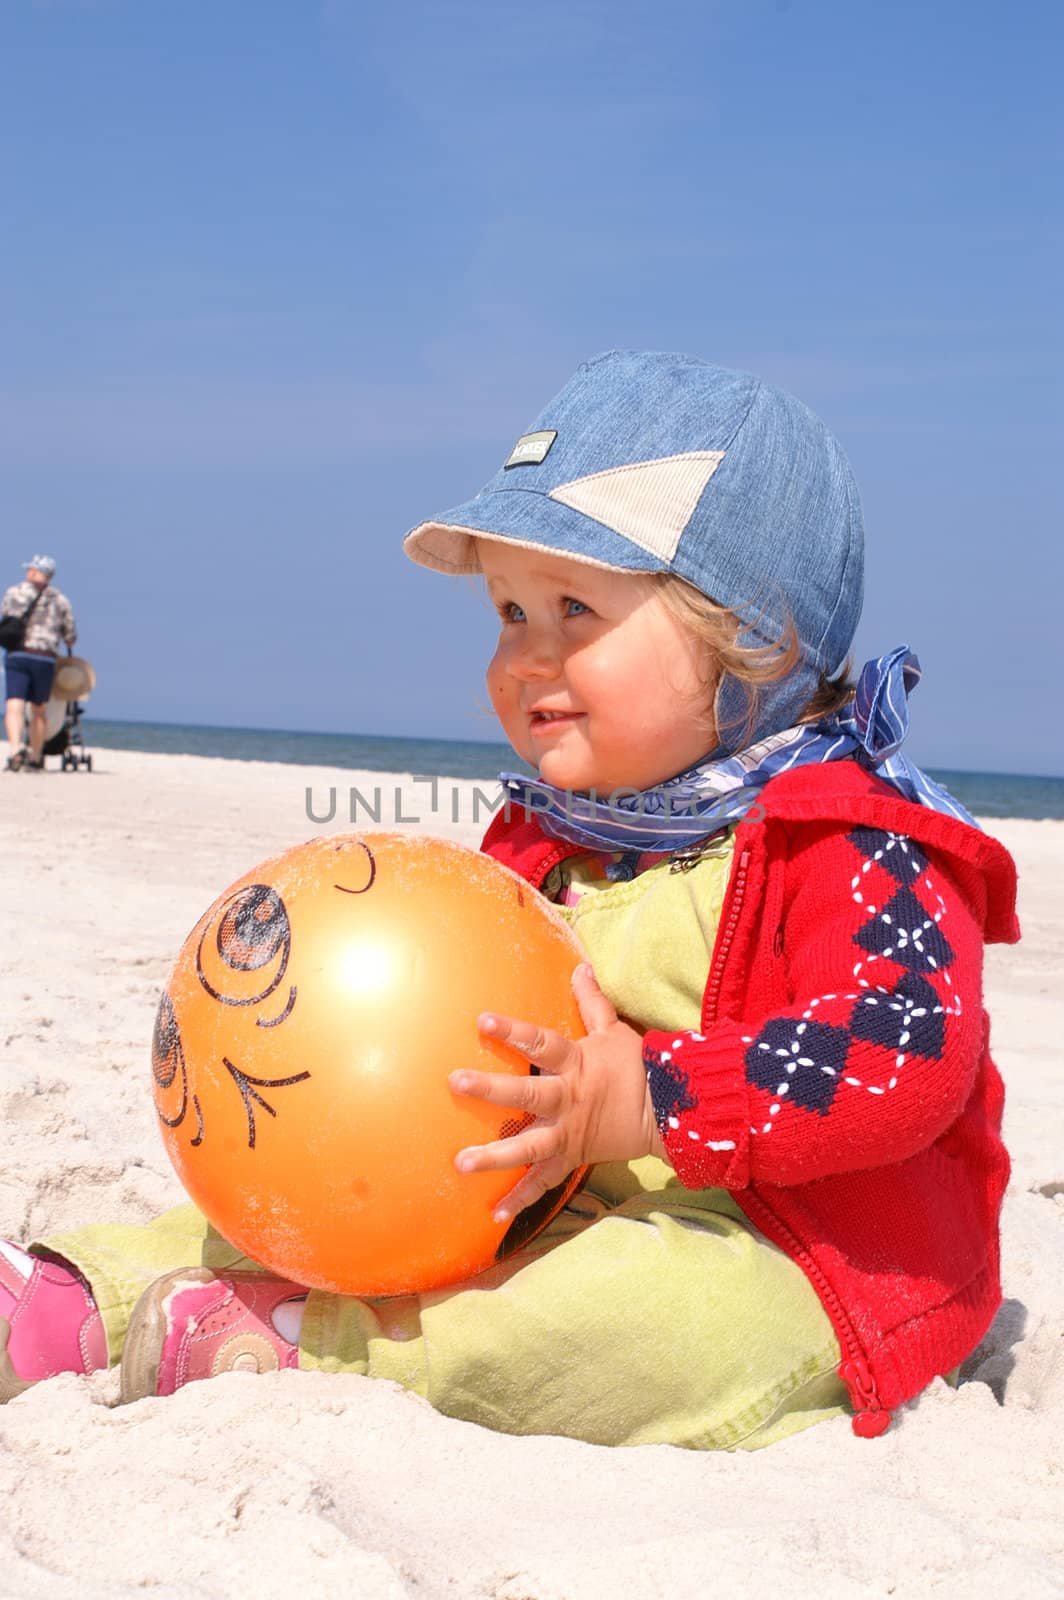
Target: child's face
<point x="630" y="684"/>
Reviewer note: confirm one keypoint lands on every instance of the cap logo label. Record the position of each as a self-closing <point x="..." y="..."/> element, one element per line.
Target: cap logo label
<point x="531" y="449"/>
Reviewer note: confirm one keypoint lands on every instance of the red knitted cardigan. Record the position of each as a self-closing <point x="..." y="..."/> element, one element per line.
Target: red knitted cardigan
<point x="840" y="1083"/>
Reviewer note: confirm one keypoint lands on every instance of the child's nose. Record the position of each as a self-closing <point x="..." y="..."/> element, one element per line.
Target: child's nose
<point x="536" y="656"/>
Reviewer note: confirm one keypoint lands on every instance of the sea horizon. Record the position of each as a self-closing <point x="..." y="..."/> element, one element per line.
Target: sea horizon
<point x="1000" y="794"/>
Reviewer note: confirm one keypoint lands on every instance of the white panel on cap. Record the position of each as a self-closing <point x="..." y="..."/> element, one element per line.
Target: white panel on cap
<point x="649" y="502"/>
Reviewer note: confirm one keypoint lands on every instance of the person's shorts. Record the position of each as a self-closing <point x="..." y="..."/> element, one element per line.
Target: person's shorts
<point x="28" y="677"/>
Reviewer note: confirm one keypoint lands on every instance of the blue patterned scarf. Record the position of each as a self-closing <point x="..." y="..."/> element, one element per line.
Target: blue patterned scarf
<point x="685" y="809"/>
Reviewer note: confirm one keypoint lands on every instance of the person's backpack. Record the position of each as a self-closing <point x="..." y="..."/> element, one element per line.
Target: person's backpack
<point x="13" y="629"/>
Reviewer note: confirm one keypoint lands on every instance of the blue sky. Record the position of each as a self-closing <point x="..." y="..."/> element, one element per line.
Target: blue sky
<point x="281" y="278"/>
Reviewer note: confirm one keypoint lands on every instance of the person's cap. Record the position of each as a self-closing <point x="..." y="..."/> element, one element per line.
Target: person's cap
<point x="44" y="564"/>
<point x="648" y="462"/>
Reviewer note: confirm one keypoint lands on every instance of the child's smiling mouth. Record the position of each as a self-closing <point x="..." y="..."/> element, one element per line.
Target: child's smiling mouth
<point x="542" y="721"/>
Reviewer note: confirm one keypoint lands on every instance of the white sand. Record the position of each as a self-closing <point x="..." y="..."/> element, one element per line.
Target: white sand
<point x="303" y="1485"/>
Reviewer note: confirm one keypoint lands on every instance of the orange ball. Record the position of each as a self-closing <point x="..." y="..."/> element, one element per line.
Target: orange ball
<point x="302" y="1047"/>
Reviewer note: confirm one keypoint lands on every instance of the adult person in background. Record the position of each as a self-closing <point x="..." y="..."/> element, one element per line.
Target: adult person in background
<point x="30" y="667"/>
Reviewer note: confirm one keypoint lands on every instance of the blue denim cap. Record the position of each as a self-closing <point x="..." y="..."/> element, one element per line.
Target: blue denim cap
<point x="649" y="462"/>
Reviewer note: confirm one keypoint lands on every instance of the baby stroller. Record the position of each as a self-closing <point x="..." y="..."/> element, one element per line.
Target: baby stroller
<point x="73" y="683"/>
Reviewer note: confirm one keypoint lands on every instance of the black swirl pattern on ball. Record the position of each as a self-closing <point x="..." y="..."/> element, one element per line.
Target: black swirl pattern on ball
<point x="371" y="866"/>
<point x="252" y="930"/>
<point x="168" y="1060"/>
<point x="249" y="1087"/>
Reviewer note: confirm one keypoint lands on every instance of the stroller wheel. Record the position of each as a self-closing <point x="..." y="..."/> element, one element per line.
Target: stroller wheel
<point x="87" y="762"/>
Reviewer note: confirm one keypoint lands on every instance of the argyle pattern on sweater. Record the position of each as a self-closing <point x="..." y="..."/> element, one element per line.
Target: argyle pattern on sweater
<point x="854" y="1044"/>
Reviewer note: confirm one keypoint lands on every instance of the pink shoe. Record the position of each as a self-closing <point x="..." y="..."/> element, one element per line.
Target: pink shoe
<point x="48" y="1322"/>
<point x="192" y="1324"/>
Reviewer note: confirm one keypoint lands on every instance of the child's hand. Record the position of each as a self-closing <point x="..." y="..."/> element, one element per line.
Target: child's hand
<point x="591" y="1100"/>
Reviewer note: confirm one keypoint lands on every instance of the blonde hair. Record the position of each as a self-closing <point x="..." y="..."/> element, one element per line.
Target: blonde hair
<point x="751" y="666"/>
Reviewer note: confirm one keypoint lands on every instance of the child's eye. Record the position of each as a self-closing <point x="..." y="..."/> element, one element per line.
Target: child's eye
<point x="510" y="611"/>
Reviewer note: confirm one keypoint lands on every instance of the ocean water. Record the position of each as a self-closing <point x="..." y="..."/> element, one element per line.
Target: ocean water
<point x="445" y="758"/>
<point x="987" y="794"/>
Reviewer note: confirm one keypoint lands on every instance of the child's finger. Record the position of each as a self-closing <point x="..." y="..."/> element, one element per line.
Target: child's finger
<point x="523" y="1150"/>
<point x="549" y="1050"/>
<point x="532" y="1187"/>
<point x="596" y="1009"/>
<point x="541" y="1096"/>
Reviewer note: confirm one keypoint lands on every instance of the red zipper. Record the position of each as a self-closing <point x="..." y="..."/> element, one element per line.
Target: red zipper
<point x="870" y="1417"/>
<point x="720" y="956"/>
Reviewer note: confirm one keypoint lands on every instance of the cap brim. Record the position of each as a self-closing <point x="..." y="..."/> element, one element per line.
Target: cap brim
<point x="532" y="521"/>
